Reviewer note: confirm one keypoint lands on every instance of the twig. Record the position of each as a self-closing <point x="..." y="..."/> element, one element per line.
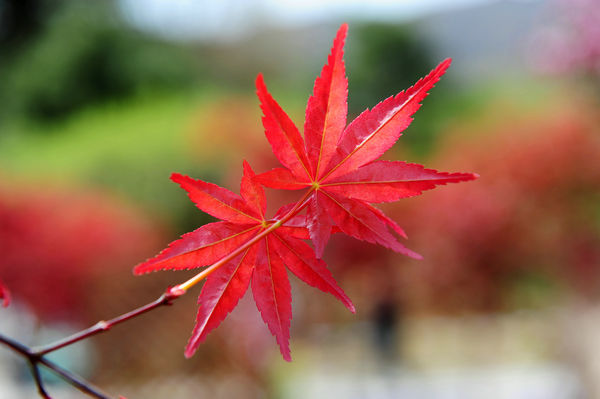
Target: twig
<point x="35" y="371"/>
<point x="35" y="356"/>
<point x="34" y="361"/>
<point x="74" y="380"/>
<point x="165" y="299"/>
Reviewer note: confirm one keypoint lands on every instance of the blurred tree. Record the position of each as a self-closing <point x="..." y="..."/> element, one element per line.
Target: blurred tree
<point x="57" y="243"/>
<point x="528" y="228"/>
<point x="19" y="21"/>
<point x="383" y="60"/>
<point x="386" y="59"/>
<point x="84" y="54"/>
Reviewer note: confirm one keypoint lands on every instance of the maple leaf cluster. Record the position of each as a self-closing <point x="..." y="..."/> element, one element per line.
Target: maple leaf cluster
<point x="337" y="167"/>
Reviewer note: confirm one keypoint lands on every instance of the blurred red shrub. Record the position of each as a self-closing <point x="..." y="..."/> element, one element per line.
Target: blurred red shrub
<point x="54" y="243"/>
<point x="532" y="218"/>
<point x="4" y="295"/>
<point x="534" y="211"/>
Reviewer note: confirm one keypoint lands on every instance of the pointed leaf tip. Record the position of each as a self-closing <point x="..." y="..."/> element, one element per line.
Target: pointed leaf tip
<point x="247" y="170"/>
<point x="259" y="82"/>
<point x="4" y="295"/>
<point x="217" y="201"/>
<point x="374" y="131"/>
<point x="252" y="192"/>
<point x="198" y="248"/>
<point x="273" y="296"/>
<point x="342" y="31"/>
<point x="220" y="295"/>
<point x="301" y="260"/>
<point x="443" y="67"/>
<point x="283" y="135"/>
<point x="327" y="108"/>
<point x="176" y="177"/>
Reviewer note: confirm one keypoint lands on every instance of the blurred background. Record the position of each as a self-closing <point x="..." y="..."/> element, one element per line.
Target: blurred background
<point x="100" y="101"/>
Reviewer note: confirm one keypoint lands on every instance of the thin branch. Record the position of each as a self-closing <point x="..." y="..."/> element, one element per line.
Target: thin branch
<point x="74" y="380"/>
<point x="165" y="299"/>
<point x="35" y="371"/>
<point x="34" y="360"/>
<point x="16" y="346"/>
<point x="35" y="356"/>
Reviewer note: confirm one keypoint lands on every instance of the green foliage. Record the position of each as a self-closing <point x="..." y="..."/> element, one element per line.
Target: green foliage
<point x="85" y="55"/>
<point x="386" y="58"/>
<point x="116" y="146"/>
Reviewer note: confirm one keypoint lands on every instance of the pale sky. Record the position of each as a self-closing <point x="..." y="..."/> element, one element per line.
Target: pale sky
<point x="226" y="19"/>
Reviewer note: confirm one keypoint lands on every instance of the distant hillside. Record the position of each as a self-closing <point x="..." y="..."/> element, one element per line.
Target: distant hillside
<point x="484" y="40"/>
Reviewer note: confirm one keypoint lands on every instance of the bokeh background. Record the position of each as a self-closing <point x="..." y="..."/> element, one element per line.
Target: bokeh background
<point x="100" y="101"/>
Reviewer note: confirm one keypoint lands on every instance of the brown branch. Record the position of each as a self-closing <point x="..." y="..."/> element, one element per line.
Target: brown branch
<point x="35" y="356"/>
<point x="35" y="371"/>
<point x="74" y="380"/>
<point x="165" y="299"/>
<point x="35" y="360"/>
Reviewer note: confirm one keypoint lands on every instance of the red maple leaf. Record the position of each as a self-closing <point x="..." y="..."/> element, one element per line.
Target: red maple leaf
<point x="338" y="163"/>
<point x="338" y="166"/>
<point x="263" y="262"/>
